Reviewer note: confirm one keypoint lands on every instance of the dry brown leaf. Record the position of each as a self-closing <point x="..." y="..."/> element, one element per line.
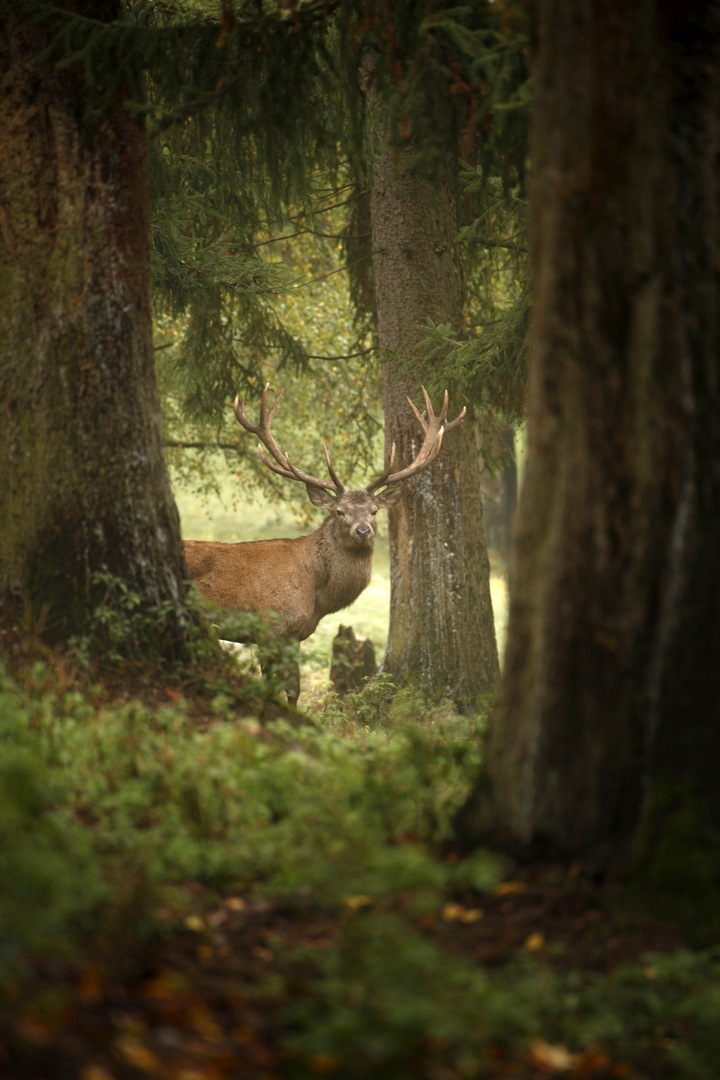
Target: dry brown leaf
<point x="205" y="1023"/>
<point x="138" y="1055"/>
<point x="235" y="903"/>
<point x="457" y="913"/>
<point x="507" y="888"/>
<point x="95" y="1072"/>
<point x="535" y="941"/>
<point x="357" y="902"/>
<point x="555" y="1058"/>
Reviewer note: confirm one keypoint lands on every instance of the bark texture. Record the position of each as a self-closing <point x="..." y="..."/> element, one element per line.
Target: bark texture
<point x="611" y="686"/>
<point x="441" y="624"/>
<point x="84" y="482"/>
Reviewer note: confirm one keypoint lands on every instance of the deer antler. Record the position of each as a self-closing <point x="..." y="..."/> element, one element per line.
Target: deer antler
<point x="434" y="428"/>
<point x="284" y="466"/>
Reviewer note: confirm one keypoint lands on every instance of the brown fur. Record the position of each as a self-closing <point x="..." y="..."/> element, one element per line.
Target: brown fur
<point x="300" y="580"/>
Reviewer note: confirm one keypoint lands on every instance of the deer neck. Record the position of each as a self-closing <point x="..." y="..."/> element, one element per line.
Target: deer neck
<point x="346" y="570"/>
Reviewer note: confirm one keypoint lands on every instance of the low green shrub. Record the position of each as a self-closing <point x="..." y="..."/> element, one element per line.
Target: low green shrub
<point x="106" y="813"/>
<point x="157" y="801"/>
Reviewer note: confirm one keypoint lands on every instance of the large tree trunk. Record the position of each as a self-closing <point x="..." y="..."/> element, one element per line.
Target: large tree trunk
<point x="441" y="624"/>
<point x="611" y="688"/>
<point x="84" y="483"/>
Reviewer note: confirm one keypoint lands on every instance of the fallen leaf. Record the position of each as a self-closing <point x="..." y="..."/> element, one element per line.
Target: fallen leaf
<point x="555" y="1058"/>
<point x="138" y="1055"/>
<point x="205" y="1023"/>
<point x="194" y="922"/>
<point x="506" y="888"/>
<point x="95" y="1072"/>
<point x="457" y="913"/>
<point x="534" y="942"/>
<point x="235" y="903"/>
<point x="357" y="902"/>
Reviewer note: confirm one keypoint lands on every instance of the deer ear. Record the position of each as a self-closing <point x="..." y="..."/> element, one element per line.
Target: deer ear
<point x="320" y="497"/>
<point x="388" y="497"/>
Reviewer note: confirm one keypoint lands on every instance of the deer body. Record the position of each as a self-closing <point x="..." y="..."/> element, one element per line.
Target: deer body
<point x="300" y="580"/>
<point x="304" y="579"/>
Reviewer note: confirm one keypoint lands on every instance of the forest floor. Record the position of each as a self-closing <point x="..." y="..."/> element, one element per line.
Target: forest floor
<point x="218" y="983"/>
<point x="207" y="1001"/>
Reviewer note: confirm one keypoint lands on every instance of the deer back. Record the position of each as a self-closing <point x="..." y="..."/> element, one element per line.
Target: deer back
<point x="300" y="580"/>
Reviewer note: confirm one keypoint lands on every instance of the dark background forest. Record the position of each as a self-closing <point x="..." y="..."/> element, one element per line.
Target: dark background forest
<point x="499" y="856"/>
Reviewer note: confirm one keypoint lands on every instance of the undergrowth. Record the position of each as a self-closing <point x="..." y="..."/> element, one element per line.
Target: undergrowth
<point x="110" y="814"/>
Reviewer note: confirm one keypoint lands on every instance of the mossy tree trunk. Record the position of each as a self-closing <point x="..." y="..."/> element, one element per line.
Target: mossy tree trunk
<point x="84" y="482"/>
<point x="441" y="624"/>
<point x="611" y="688"/>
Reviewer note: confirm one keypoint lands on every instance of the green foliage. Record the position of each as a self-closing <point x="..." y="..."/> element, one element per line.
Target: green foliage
<point x="386" y="994"/>
<point x="49" y="880"/>
<point x="107" y="812"/>
<point x="487" y="365"/>
<point x="118" y="626"/>
<point x="257" y="123"/>
<point x="169" y="803"/>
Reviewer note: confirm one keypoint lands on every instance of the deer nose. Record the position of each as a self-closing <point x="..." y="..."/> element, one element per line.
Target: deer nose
<point x="363" y="532"/>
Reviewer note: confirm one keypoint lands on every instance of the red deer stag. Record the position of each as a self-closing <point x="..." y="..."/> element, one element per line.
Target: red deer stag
<point x="304" y="579"/>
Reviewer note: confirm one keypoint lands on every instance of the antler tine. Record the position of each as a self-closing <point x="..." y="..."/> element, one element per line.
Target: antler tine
<point x="431" y="415"/>
<point x="383" y="476"/>
<point x="282" y="466"/>
<point x="434" y="427"/>
<point x="333" y="475"/>
<point x="457" y="421"/>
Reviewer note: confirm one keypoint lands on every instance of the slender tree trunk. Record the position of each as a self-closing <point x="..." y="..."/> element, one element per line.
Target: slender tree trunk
<point x="84" y="482"/>
<point x="611" y="689"/>
<point x="441" y="623"/>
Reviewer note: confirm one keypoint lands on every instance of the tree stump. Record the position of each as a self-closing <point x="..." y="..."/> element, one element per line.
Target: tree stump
<point x="352" y="661"/>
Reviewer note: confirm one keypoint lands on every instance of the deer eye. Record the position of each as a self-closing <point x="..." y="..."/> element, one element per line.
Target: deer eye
<point x="340" y="513"/>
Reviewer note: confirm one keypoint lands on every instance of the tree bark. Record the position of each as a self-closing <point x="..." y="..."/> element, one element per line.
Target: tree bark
<point x="611" y="687"/>
<point x="441" y="624"/>
<point x="84" y="485"/>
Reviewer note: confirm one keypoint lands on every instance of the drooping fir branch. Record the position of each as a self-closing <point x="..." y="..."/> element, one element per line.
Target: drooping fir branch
<point x="488" y="363"/>
<point x="253" y="114"/>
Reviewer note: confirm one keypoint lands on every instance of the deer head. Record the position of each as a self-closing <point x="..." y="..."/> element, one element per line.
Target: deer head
<point x="352" y="513"/>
